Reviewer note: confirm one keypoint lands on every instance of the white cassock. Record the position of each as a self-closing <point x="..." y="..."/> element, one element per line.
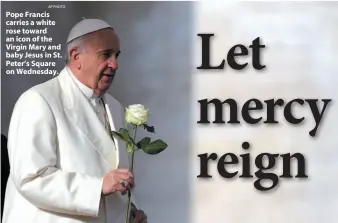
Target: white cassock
<point x="59" y="152"/>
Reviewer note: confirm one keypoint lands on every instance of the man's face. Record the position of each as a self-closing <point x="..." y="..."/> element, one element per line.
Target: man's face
<point x="99" y="60"/>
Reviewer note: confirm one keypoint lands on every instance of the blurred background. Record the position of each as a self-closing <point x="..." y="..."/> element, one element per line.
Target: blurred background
<point x="160" y="53"/>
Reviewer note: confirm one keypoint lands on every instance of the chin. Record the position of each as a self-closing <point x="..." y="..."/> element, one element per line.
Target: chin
<point x="103" y="90"/>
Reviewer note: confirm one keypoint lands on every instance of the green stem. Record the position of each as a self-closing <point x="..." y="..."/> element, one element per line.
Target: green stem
<point x="131" y="168"/>
<point x="132" y="155"/>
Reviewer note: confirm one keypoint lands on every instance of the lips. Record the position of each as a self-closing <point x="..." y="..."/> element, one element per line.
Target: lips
<point x="107" y="77"/>
<point x="108" y="72"/>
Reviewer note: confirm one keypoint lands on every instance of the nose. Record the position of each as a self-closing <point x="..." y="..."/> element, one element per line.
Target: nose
<point x="112" y="63"/>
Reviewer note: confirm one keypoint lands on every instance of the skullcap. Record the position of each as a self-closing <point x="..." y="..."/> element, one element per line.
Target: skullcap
<point x="86" y="26"/>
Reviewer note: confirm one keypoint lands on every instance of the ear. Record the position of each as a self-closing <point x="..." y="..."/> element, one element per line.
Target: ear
<point x="74" y="56"/>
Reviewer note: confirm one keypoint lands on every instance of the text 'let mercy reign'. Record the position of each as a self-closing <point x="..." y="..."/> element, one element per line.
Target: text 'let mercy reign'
<point x="317" y="107"/>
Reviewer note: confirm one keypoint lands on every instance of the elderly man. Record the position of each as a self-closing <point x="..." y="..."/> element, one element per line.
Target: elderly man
<point x="65" y="167"/>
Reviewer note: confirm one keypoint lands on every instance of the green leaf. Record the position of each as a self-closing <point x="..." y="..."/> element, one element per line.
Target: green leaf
<point x="124" y="133"/>
<point x="154" y="147"/>
<point x="132" y="141"/>
<point x="117" y="135"/>
<point x="143" y="142"/>
<point x="129" y="147"/>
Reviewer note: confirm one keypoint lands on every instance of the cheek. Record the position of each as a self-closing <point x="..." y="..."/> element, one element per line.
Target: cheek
<point x="86" y="63"/>
<point x="102" y="66"/>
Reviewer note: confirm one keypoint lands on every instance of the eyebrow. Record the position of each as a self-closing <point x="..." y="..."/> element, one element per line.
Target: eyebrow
<point x="110" y="51"/>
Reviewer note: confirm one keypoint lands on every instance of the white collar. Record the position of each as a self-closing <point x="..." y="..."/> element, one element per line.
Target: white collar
<point x="87" y="91"/>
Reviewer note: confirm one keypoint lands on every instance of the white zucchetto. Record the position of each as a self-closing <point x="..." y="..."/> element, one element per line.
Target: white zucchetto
<point x="86" y="26"/>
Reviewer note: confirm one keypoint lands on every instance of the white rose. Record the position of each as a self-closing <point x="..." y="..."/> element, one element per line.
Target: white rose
<point x="136" y="114"/>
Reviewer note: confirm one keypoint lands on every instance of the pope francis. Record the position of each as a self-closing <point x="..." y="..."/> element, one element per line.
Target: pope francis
<point x="64" y="166"/>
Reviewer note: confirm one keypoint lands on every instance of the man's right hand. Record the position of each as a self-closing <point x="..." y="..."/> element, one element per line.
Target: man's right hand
<point x="112" y="182"/>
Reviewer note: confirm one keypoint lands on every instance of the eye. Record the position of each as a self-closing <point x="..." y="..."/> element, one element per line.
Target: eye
<point x="106" y="55"/>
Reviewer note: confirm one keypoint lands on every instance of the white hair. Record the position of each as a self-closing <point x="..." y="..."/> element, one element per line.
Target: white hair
<point x="79" y="43"/>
